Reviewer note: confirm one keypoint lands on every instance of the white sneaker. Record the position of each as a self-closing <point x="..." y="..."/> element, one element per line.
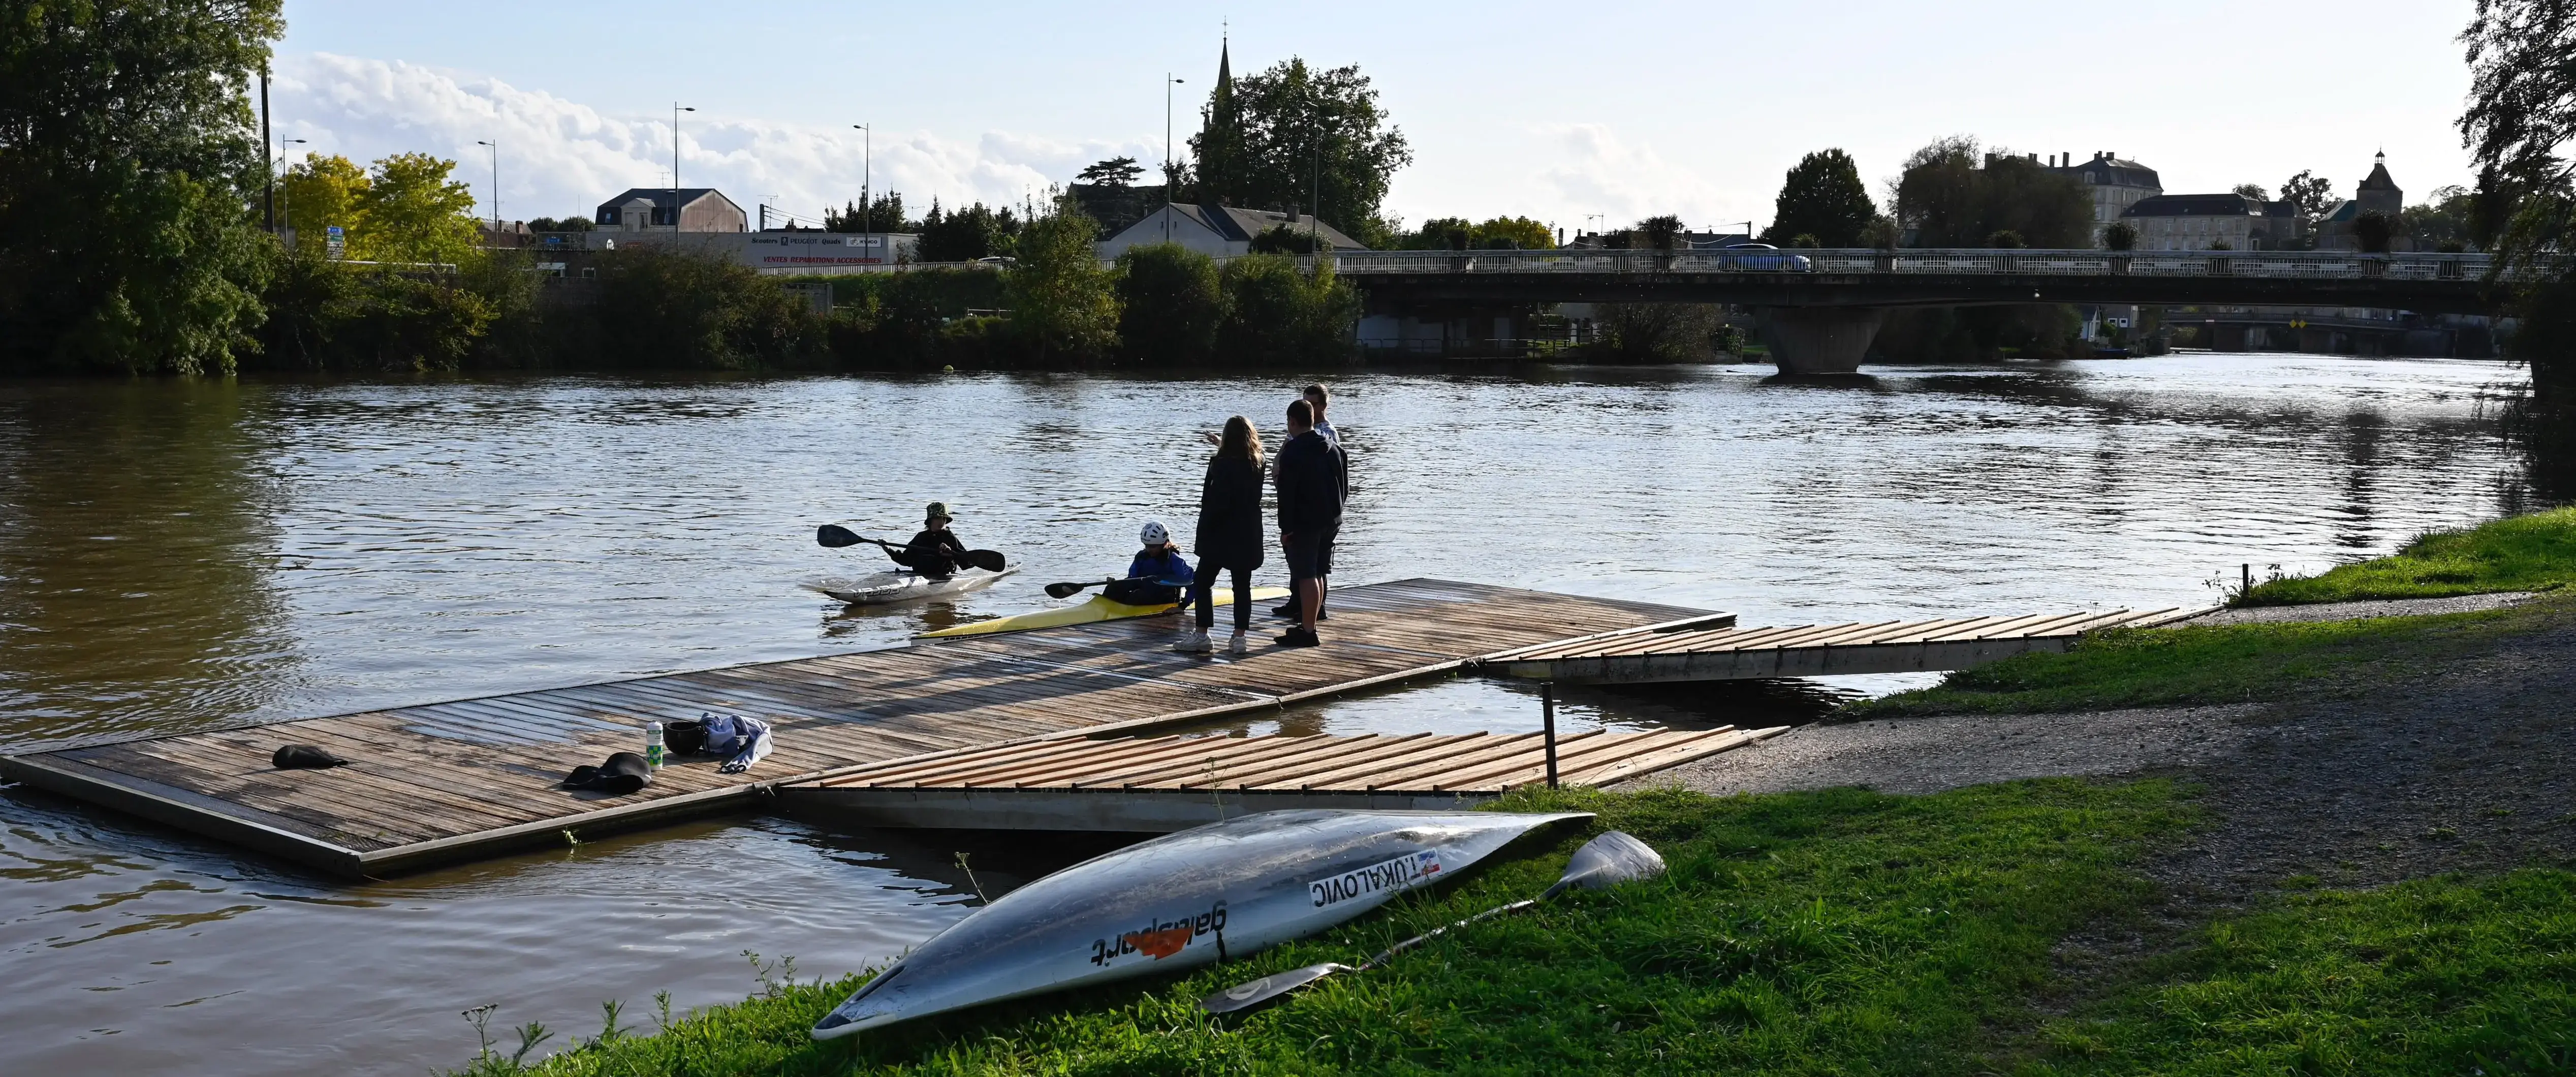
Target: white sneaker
<point x="1238" y="646"/>
<point x="1193" y="643"/>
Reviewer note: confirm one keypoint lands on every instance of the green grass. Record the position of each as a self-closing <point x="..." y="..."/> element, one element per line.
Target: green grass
<point x="2434" y="976"/>
<point x="1833" y="932"/>
<point x="2224" y="664"/>
<point x="2518" y="553"/>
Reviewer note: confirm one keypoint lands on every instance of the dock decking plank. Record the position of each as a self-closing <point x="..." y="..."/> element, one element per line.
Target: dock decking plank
<point x="455" y="779"/>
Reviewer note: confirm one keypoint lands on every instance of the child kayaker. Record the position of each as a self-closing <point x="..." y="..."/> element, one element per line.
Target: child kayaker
<point x="1158" y="575"/>
<point x="934" y="552"/>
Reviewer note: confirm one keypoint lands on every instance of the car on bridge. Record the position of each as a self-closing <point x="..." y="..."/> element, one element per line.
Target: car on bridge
<point x="1762" y="258"/>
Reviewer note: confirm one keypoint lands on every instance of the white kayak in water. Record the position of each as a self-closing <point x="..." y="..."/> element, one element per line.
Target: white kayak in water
<point x="1223" y="890"/>
<point x="888" y="587"/>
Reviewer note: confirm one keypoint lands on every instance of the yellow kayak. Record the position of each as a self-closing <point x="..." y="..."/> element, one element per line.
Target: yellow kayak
<point x="1099" y="609"/>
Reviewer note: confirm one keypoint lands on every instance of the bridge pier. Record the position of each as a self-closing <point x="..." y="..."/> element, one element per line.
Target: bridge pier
<point x="1819" y="340"/>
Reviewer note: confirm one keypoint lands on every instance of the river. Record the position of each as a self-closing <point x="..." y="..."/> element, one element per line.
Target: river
<point x="181" y="555"/>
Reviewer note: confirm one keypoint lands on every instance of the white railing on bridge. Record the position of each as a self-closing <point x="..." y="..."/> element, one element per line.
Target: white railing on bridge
<point x="2304" y="265"/>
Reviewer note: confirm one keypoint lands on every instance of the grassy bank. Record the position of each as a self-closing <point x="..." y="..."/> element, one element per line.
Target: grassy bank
<point x="1835" y="932"/>
<point x="1842" y="931"/>
<point x="2432" y="976"/>
<point x="2228" y="664"/>
<point x="2518" y="553"/>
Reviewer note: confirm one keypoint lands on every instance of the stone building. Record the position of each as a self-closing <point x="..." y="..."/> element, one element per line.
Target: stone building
<point x="2376" y="192"/>
<point x="2200" y="222"/>
<point x="2115" y="185"/>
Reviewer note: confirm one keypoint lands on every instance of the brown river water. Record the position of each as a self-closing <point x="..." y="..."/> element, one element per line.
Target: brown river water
<point x="179" y="555"/>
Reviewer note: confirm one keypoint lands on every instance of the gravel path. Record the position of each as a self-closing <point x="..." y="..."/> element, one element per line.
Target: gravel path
<point x="2354" y="611"/>
<point x="2471" y="766"/>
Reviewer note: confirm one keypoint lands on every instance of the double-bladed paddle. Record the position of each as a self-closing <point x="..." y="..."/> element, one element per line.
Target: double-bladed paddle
<point x="835" y="536"/>
<point x="1601" y="863"/>
<point x="1067" y="590"/>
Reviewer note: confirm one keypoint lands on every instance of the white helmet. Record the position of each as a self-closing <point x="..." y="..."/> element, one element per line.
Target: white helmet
<point x="1155" y="534"/>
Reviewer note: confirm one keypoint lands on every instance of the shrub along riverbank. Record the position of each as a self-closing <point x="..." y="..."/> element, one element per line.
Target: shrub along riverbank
<point x="1056" y="307"/>
<point x="1832" y="932"/>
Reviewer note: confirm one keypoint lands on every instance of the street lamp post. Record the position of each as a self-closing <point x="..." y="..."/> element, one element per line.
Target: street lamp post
<point x="867" y="174"/>
<point x="1171" y="179"/>
<point x="495" y="146"/>
<point x="278" y="164"/>
<point x="676" y="109"/>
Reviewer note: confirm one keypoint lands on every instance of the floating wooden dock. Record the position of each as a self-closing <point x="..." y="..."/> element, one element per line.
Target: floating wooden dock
<point x="1665" y="653"/>
<point x="1172" y="783"/>
<point x="471" y="778"/>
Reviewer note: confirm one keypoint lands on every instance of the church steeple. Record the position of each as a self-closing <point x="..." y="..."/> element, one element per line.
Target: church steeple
<point x="1219" y="145"/>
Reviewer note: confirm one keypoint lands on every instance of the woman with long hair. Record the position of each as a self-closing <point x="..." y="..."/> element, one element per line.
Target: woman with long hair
<point x="1229" y="537"/>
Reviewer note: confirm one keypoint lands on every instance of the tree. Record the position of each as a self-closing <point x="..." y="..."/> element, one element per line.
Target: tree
<point x="1170" y="304"/>
<point x="2254" y="191"/>
<point x="129" y="166"/>
<point x="1822" y="196"/>
<point x="680" y="308"/>
<point x="1514" y="233"/>
<point x="1950" y="199"/>
<point x="414" y="213"/>
<point x="1115" y="172"/>
<point x="1293" y="134"/>
<point x="967" y="234"/>
<point x="1655" y="332"/>
<point x="1661" y="233"/>
<point x="2006" y="239"/>
<point x="2311" y="195"/>
<point x="317" y="193"/>
<point x="1277" y="314"/>
<point x="2373" y="229"/>
<point x="2445" y="219"/>
<point x="2120" y="236"/>
<point x="1061" y="300"/>
<point x="883" y="215"/>
<point x="1440" y="234"/>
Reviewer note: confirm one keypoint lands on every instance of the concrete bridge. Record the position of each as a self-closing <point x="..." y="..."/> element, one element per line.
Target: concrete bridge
<point x="1821" y="318"/>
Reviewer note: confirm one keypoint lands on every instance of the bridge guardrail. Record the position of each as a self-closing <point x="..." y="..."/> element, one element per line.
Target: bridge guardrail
<point x="2308" y="265"/>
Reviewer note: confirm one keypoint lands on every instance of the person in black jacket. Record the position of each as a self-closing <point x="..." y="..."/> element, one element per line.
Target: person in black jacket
<point x="1310" y="513"/>
<point x="934" y="552"/>
<point x="1229" y="536"/>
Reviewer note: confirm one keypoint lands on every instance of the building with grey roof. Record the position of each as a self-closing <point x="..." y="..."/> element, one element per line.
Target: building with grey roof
<point x="689" y="209"/>
<point x="1218" y="231"/>
<point x="2115" y="185"/>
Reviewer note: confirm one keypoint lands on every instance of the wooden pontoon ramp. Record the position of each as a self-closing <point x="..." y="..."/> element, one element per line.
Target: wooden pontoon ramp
<point x="471" y="778"/>
<point x="1173" y="783"/>
<point x="1667" y="653"/>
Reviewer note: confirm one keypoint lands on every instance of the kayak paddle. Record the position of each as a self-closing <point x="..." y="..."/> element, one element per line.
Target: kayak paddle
<point x="835" y="536"/>
<point x="1067" y="590"/>
<point x="1601" y="863"/>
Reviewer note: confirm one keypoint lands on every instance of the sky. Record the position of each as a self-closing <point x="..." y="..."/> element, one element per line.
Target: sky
<point x="1576" y="115"/>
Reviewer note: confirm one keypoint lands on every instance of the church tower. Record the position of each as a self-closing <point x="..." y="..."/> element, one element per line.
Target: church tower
<point x="2379" y="192"/>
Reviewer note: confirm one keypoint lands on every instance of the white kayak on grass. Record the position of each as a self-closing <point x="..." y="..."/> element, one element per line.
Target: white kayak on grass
<point x="1182" y="900"/>
<point x="889" y="587"/>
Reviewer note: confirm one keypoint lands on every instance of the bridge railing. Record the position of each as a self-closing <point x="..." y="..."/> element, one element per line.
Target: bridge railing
<point x="2308" y="265"/>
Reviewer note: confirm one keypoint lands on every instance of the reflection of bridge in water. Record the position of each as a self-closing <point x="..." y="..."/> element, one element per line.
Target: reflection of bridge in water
<point x="1821" y="319"/>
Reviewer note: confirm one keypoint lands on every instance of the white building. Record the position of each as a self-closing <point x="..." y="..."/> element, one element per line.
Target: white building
<point x="1217" y="231"/>
<point x="775" y="253"/>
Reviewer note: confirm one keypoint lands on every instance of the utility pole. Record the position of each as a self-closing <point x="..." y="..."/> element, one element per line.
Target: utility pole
<point x="1171" y="179"/>
<point x="267" y="152"/>
<point x="676" y="110"/>
<point x="495" y="144"/>
<point x="867" y="174"/>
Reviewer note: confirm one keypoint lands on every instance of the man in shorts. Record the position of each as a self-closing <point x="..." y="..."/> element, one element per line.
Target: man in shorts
<point x="1309" y="475"/>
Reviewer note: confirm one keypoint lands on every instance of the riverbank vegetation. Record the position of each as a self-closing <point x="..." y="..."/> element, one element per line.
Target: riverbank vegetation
<point x="1830" y="932"/>
<point x="2159" y="667"/>
<point x="2257" y="662"/>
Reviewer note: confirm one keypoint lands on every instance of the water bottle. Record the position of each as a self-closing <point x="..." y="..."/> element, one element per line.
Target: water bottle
<point x="653" y="744"/>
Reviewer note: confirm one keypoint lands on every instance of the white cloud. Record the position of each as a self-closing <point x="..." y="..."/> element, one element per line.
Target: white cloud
<point x="561" y="157"/>
<point x="1624" y="182"/>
